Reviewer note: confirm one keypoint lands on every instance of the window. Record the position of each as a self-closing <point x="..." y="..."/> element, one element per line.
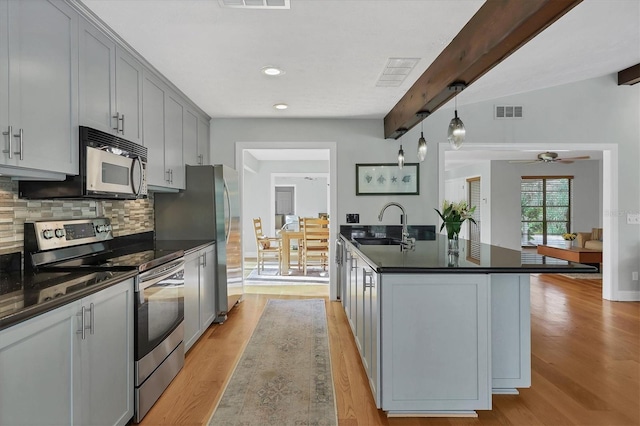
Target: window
<point x="545" y="209"/>
<point x="473" y="252"/>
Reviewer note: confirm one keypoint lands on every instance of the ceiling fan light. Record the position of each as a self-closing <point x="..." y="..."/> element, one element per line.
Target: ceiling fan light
<point x="400" y="157"/>
<point x="422" y="147"/>
<point x="456" y="132"/>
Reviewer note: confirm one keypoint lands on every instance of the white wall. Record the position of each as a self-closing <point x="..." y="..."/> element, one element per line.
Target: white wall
<point x="456" y="189"/>
<point x="357" y="141"/>
<point x="592" y="111"/>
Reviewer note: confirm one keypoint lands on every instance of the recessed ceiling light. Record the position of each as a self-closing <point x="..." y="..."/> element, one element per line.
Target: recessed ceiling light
<point x="272" y="71"/>
<point x="281" y="106"/>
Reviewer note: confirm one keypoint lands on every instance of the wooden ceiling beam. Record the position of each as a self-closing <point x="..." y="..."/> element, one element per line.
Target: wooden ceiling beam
<point x="629" y="76"/>
<point x="499" y="28"/>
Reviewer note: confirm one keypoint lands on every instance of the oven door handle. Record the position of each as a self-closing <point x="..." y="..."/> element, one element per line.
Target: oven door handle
<point x="149" y="278"/>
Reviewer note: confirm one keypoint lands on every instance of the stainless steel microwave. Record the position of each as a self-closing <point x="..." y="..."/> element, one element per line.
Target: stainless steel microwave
<point x="110" y="168"/>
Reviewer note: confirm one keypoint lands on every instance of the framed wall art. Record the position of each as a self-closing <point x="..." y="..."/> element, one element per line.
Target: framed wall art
<point x="388" y="179"/>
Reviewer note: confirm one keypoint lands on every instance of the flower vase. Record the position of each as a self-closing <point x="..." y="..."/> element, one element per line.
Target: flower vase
<point x="452" y="245"/>
<point x="568" y="244"/>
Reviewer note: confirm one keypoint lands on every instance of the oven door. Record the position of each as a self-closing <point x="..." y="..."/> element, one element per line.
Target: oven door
<point x="108" y="173"/>
<point x="159" y="305"/>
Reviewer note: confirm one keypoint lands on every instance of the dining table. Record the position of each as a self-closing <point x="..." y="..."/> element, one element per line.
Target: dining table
<point x="285" y="258"/>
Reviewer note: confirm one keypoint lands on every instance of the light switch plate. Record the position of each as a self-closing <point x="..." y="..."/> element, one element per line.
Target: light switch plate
<point x="633" y="218"/>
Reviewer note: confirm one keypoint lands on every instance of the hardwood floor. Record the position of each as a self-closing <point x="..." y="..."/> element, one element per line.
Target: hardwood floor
<point x="585" y="366"/>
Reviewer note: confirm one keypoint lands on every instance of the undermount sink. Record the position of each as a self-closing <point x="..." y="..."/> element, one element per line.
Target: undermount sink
<point x="374" y="241"/>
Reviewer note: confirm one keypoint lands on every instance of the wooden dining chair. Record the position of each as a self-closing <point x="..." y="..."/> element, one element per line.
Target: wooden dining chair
<point x="268" y="247"/>
<point x="315" y="243"/>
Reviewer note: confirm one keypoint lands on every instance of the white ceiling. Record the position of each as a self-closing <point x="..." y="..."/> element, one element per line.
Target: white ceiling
<point x="333" y="51"/>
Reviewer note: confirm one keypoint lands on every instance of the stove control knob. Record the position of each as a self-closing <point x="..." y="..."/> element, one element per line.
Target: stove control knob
<point x="59" y="232"/>
<point x="47" y="234"/>
<point x="100" y="228"/>
<point x="107" y="228"/>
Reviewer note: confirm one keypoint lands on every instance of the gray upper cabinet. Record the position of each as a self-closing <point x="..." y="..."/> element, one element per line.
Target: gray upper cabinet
<point x="110" y="85"/>
<point x="163" y="134"/>
<point x="128" y="96"/>
<point x="173" y="127"/>
<point x="38" y="112"/>
<point x="203" y="141"/>
<point x="190" y="142"/>
<point x="97" y="78"/>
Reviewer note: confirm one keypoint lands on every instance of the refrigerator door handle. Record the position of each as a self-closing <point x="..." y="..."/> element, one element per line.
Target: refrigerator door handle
<point x="227" y="213"/>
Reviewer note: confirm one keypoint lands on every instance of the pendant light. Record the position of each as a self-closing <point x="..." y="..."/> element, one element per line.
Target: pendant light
<point x="422" y="142"/>
<point x="456" y="132"/>
<point x="400" y="157"/>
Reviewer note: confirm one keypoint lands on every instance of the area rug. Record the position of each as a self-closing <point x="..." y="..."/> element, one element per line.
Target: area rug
<point x="583" y="276"/>
<point x="284" y="375"/>
<point x="270" y="274"/>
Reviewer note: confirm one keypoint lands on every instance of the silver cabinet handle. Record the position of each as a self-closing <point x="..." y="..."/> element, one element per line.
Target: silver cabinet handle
<point x="21" y="139"/>
<point x="91" y="318"/>
<point x="171" y="175"/>
<point x="168" y="173"/>
<point x="9" y="133"/>
<point x="122" y="120"/>
<point x="354" y="260"/>
<point x="204" y="260"/>
<point x="366" y="274"/>
<point x="117" y="117"/>
<point x="82" y="326"/>
<point x="200" y="159"/>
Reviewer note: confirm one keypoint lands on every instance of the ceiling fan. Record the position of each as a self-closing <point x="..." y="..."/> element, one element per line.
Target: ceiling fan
<point x="551" y="157"/>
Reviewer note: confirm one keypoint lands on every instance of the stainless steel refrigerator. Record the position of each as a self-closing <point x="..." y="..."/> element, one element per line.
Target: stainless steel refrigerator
<point x="209" y="208"/>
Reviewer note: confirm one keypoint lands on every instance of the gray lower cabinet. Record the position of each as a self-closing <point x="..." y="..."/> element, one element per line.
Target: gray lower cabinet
<point x="52" y="373"/>
<point x="38" y="110"/>
<point x="199" y="294"/>
<point x="361" y="305"/>
<point x="435" y="343"/>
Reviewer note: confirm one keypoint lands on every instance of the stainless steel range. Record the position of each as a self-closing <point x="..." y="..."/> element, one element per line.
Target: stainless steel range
<point x="88" y="245"/>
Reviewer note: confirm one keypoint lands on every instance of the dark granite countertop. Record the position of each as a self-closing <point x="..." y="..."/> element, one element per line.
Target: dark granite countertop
<point x="430" y="256"/>
<point x="23" y="294"/>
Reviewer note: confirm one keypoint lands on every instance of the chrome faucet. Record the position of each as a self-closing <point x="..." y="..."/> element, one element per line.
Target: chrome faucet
<point x="407" y="243"/>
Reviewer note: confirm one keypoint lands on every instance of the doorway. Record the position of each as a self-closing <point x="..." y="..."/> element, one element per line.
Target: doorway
<point x="608" y="193"/>
<point x="285" y="204"/>
<point x="277" y="173"/>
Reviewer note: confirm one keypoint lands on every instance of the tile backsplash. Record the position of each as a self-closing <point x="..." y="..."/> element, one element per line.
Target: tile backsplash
<point x="127" y="217"/>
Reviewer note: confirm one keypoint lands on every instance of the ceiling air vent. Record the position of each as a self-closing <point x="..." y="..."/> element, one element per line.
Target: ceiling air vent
<point x="395" y="72"/>
<point x="508" y="111"/>
<point x="256" y="4"/>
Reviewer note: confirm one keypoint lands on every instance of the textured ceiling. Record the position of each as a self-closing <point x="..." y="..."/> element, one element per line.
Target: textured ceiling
<point x="333" y="51"/>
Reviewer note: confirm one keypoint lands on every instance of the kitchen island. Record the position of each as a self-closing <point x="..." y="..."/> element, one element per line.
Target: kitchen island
<point x="439" y="334"/>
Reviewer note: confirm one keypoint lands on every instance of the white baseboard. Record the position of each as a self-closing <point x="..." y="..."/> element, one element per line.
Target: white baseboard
<point x="628" y="296"/>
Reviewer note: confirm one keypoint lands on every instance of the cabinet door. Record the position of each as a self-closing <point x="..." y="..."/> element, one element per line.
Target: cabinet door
<point x="203" y="142"/>
<point x="128" y="96"/>
<point x="173" y="141"/>
<point x="38" y="361"/>
<point x="352" y="272"/>
<point x="191" y="300"/>
<point x="370" y="341"/>
<point x="43" y="81"/>
<point x="207" y="287"/>
<point x="359" y="290"/>
<point x="190" y="142"/>
<point x="153" y="125"/>
<point x="97" y="79"/>
<point x="107" y="357"/>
